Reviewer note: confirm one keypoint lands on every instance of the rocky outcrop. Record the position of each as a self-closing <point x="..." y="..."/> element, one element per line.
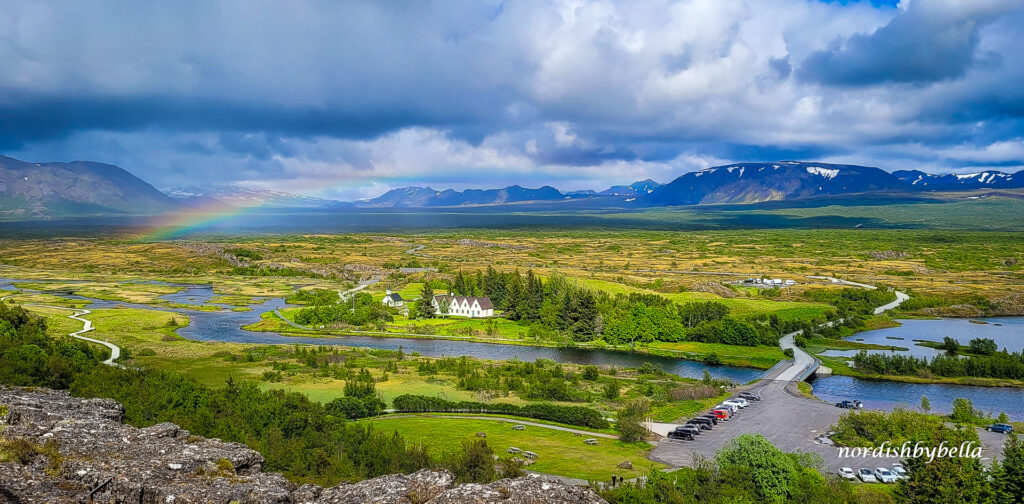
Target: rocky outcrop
<point x="56" y="448"/>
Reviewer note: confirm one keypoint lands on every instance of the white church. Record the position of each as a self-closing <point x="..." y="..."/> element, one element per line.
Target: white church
<point x="463" y="306"/>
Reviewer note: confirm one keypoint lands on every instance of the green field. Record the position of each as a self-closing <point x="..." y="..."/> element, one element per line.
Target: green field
<point x="559" y="453"/>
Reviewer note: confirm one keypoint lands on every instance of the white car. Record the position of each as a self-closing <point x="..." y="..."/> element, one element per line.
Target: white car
<point x="732" y="407"/>
<point x="734" y="403"/>
<point x="899" y="471"/>
<point x="743" y="402"/>
<point x="846" y="473"/>
<point x="884" y="475"/>
<point x="866" y="476"/>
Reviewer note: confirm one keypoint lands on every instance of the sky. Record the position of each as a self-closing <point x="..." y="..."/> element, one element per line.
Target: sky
<point x="349" y="99"/>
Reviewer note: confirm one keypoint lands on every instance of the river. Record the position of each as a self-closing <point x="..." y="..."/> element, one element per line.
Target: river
<point x="225" y="325"/>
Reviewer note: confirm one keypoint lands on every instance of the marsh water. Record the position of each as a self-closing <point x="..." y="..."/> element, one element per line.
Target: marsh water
<point x="1007" y="332"/>
<point x="226" y="325"/>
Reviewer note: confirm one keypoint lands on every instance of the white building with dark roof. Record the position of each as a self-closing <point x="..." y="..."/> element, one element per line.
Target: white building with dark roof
<point x="393" y="299"/>
<point x="463" y="306"/>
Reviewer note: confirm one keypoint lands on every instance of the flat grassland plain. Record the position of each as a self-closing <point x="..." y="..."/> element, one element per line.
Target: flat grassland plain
<point x="945" y="269"/>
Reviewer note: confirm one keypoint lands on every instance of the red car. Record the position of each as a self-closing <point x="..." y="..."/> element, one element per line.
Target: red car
<point x="721" y="414"/>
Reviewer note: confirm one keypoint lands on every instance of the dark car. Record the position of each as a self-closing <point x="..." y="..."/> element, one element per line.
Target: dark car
<point x="847" y="404"/>
<point x="1000" y="427"/>
<point x="750" y="396"/>
<point x="681" y="434"/>
<point x="692" y="429"/>
<point x="710" y="416"/>
<point x="703" y="423"/>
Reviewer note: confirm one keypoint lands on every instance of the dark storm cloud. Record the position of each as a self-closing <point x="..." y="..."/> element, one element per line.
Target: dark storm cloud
<point x="931" y="41"/>
<point x="313" y="93"/>
<point x="30" y="119"/>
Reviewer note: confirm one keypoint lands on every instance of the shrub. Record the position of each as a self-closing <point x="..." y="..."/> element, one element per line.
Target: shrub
<point x="629" y="420"/>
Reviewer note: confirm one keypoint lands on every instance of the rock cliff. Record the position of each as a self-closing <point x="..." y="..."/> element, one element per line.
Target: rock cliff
<point x="57" y="448"/>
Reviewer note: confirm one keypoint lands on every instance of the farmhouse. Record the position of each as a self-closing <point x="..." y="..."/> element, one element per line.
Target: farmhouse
<point x="393" y="299"/>
<point x="462" y="306"/>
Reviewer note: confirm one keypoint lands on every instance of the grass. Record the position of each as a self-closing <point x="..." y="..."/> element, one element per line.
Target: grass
<point x="740" y="307"/>
<point x="805" y="389"/>
<point x="559" y="453"/>
<point x="675" y="411"/>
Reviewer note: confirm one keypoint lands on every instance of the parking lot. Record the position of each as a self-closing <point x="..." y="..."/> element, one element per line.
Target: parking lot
<point x="791" y="423"/>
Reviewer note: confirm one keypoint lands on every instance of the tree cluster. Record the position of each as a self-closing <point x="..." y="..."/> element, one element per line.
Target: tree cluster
<point x="1001" y="364"/>
<point x="571" y="415"/>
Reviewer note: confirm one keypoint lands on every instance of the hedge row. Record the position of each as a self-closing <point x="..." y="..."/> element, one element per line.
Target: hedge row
<point x="571" y="415"/>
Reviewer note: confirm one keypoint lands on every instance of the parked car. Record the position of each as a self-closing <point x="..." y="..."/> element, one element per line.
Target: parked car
<point x="731" y="407"/>
<point x="685" y="435"/>
<point x="866" y="475"/>
<point x="692" y="429"/>
<point x="1000" y="427"/>
<point x="722" y="414"/>
<point x="846" y="473"/>
<point x="847" y="404"/>
<point x="730" y="402"/>
<point x="899" y="471"/>
<point x="885" y="476"/>
<point x="743" y="402"/>
<point x="703" y="423"/>
<point x="710" y="416"/>
<point x="750" y="396"/>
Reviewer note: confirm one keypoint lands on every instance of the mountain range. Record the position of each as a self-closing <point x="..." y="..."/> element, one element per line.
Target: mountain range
<point x="244" y="197"/>
<point x="47" y="190"/>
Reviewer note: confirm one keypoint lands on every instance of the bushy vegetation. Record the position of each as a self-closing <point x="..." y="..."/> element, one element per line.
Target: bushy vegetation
<point x="571" y="415"/>
<point x="301" y="438"/>
<point x="1000" y="364"/>
<point x="629" y="420"/>
<point x="361" y="311"/>
<point x="28" y="356"/>
<point x="748" y="469"/>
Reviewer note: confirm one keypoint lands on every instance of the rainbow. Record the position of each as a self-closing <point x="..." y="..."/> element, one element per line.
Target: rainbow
<point x="172" y="225"/>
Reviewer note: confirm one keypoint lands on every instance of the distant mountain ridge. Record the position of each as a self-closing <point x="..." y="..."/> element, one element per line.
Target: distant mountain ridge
<point x="979" y="180"/>
<point x="46" y="190"/>
<point x="244" y="197"/>
<point x="411" y="197"/>
<point x="757" y="182"/>
<point x="635" y="189"/>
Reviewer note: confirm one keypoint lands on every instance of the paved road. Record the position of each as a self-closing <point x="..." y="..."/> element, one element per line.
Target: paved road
<point x="362" y="285"/>
<point x="900" y="298"/>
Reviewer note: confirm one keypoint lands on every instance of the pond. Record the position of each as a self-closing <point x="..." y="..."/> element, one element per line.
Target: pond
<point x="887" y="395"/>
<point x="1007" y="332"/>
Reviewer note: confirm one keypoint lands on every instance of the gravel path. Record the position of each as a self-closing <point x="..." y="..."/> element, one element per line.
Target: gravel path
<point x="509" y="420"/>
<point x="76" y="314"/>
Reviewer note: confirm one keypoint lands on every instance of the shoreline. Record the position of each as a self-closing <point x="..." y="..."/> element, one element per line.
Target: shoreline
<point x="726" y="360"/>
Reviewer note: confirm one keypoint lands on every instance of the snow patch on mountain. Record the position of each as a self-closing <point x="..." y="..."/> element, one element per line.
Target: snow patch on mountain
<point x="829" y="173"/>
